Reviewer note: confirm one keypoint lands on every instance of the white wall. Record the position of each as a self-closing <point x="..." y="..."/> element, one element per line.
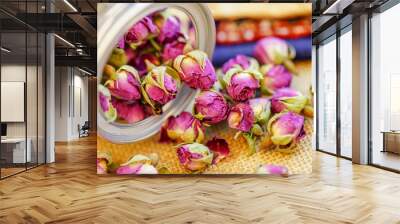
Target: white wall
<point x="70" y="83"/>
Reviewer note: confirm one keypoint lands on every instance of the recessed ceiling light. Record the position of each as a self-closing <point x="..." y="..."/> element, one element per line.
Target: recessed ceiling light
<point x="5" y="50"/>
<point x="70" y="5"/>
<point x="84" y="71"/>
<point x="64" y="40"/>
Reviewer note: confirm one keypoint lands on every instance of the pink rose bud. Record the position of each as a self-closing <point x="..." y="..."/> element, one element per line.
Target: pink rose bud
<point x="242" y="61"/>
<point x="138" y="164"/>
<point x="182" y="128"/>
<point x="261" y="108"/>
<point x="241" y="117"/>
<point x="220" y="149"/>
<point x="196" y="70"/>
<point x="170" y="28"/>
<point x="130" y="112"/>
<point x="173" y="49"/>
<point x="160" y="86"/>
<point x="211" y="107"/>
<point x="104" y="160"/>
<point x="272" y="169"/>
<point x="273" y="50"/>
<point x="145" y="62"/>
<point x="125" y="84"/>
<point x="195" y="156"/>
<point x="241" y="85"/>
<point x="287" y="99"/>
<point x="121" y="43"/>
<point x="141" y="32"/>
<point x="275" y="77"/>
<point x="286" y="129"/>
<point x="106" y="107"/>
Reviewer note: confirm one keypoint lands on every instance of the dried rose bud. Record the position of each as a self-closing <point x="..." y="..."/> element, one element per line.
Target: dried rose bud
<point x="121" y="43"/>
<point x="118" y="58"/>
<point x="275" y="77"/>
<point x="145" y="62"/>
<point x="173" y="49"/>
<point x="108" y="72"/>
<point x="160" y="86"/>
<point x="286" y="129"/>
<point x="211" y="107"/>
<point x="244" y="62"/>
<point x="287" y="99"/>
<point x="138" y="164"/>
<point x="272" y="169"/>
<point x="241" y="117"/>
<point x="196" y="70"/>
<point x="241" y="85"/>
<point x="261" y="108"/>
<point x="195" y="156"/>
<point x="273" y="50"/>
<point x="125" y="84"/>
<point x="170" y="28"/>
<point x="105" y="104"/>
<point x="130" y="112"/>
<point x="182" y="128"/>
<point x="141" y="32"/>
<point x="104" y="160"/>
<point x="220" y="149"/>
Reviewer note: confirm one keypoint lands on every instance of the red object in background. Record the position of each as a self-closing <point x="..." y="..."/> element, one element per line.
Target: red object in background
<point x="248" y="30"/>
<point x="292" y="29"/>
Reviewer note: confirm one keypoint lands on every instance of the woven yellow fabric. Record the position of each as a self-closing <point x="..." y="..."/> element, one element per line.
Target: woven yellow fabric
<point x="238" y="162"/>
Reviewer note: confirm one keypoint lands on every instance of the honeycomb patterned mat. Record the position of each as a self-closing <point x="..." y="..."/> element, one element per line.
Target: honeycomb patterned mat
<point x="238" y="162"/>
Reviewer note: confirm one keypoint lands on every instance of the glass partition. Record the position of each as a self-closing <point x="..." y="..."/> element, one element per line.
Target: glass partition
<point x="327" y="96"/>
<point x="346" y="93"/>
<point x="22" y="77"/>
<point x="385" y="89"/>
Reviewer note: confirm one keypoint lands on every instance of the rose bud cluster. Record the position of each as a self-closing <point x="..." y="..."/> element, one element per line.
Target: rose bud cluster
<point x="138" y="79"/>
<point x="240" y="84"/>
<point x="275" y="77"/>
<point x="139" y="164"/>
<point x="211" y="107"/>
<point x="242" y="61"/>
<point x="196" y="70"/>
<point x="273" y="50"/>
<point x="141" y="32"/>
<point x="288" y="99"/>
<point x="182" y="128"/>
<point x="254" y="96"/>
<point x="195" y="156"/>
<point x="286" y="129"/>
<point x="160" y="86"/>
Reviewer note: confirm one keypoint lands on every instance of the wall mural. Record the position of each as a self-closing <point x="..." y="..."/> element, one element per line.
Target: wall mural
<point x="204" y="88"/>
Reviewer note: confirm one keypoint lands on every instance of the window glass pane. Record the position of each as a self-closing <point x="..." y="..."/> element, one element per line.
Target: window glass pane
<point x="13" y="86"/>
<point x="346" y="94"/>
<point x="327" y="97"/>
<point x="385" y="89"/>
<point x="32" y="97"/>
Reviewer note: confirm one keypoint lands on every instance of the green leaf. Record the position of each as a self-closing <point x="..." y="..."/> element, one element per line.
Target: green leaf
<point x="250" y="142"/>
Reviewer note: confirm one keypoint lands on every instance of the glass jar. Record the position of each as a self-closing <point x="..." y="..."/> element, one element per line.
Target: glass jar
<point x="114" y="20"/>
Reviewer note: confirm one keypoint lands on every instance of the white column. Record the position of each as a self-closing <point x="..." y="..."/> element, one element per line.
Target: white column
<point x="50" y="98"/>
<point x="360" y="90"/>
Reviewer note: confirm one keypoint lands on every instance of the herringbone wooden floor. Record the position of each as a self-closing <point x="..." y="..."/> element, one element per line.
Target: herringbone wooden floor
<point x="69" y="191"/>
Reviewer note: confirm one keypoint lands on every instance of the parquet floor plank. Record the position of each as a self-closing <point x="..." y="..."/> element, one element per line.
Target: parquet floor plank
<point x="69" y="191"/>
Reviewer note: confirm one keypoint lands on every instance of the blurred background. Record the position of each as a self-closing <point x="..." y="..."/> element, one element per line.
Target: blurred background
<point x="240" y="26"/>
